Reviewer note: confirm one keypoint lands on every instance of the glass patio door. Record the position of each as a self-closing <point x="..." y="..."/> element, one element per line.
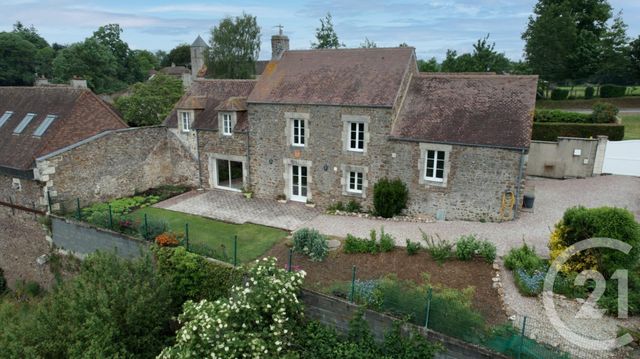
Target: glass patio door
<point x="230" y="174"/>
<point x="299" y="185"/>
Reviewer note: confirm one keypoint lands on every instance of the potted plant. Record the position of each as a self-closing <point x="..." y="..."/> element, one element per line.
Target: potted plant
<point x="310" y="203"/>
<point x="281" y="198"/>
<point x="246" y="191"/>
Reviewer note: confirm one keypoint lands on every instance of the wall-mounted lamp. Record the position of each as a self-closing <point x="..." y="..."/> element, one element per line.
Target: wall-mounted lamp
<point x="326" y="167"/>
<point x="270" y="161"/>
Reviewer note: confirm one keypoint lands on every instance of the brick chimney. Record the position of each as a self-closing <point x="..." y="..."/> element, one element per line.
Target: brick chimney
<point x="78" y="83"/>
<point x="279" y="44"/>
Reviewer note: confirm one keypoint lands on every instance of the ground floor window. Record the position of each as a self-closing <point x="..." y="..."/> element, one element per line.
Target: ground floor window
<point x="355" y="181"/>
<point x="434" y="167"/>
<point x="229" y="174"/>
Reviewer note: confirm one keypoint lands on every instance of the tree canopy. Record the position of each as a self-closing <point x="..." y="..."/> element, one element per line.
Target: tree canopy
<point x="179" y="55"/>
<point x="150" y="102"/>
<point x="326" y="35"/>
<point x="235" y="46"/>
<point x="483" y="58"/>
<point x="17" y="60"/>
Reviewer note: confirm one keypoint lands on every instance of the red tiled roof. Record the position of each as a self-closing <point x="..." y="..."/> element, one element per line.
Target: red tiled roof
<point x="80" y="115"/>
<point x="490" y="110"/>
<point x="204" y="96"/>
<point x="358" y="77"/>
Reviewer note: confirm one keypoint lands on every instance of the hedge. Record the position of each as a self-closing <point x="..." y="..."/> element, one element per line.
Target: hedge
<point x="561" y="116"/>
<point x="608" y="91"/>
<point x="551" y="131"/>
<point x="559" y="94"/>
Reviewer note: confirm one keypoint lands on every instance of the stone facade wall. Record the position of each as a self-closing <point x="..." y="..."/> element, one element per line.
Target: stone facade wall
<point x="324" y="153"/>
<point x="20" y="191"/>
<point x="476" y="181"/>
<point x="187" y="139"/>
<point x="212" y="145"/>
<point x="116" y="164"/>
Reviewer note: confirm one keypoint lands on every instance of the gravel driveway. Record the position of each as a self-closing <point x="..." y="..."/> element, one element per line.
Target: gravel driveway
<point x="552" y="198"/>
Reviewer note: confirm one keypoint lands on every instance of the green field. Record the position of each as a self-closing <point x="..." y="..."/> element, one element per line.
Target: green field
<point x="253" y="240"/>
<point x="631" y="127"/>
<point x="578" y="91"/>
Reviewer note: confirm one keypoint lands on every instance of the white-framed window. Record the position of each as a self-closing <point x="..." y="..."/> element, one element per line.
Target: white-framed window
<point x="185" y="121"/>
<point x="297" y="132"/>
<point x="356" y="136"/>
<point x="226" y="124"/>
<point x="434" y="165"/>
<point x="356" y="179"/>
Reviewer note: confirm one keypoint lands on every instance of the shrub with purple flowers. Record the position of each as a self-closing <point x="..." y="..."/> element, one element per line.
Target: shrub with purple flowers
<point x="530" y="284"/>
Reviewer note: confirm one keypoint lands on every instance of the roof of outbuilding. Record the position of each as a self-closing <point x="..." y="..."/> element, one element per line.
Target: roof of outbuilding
<point x="485" y="110"/>
<point x="204" y="96"/>
<point x="342" y="77"/>
<point x="80" y="115"/>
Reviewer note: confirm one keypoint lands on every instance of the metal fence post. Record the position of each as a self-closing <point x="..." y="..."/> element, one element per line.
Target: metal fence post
<point x="110" y="217"/>
<point x="353" y="284"/>
<point x="146" y="227"/>
<point x="186" y="235"/>
<point x="290" y="258"/>
<point x="235" y="250"/>
<point x="524" y="325"/>
<point x="78" y="215"/>
<point x="428" y="308"/>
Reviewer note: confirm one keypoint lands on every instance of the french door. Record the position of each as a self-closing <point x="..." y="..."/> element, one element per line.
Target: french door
<point x="299" y="185"/>
<point x="230" y="174"/>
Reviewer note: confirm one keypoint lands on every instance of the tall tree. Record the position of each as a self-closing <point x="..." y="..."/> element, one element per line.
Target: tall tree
<point x="30" y="34"/>
<point x="634" y="58"/>
<point x="17" y="60"/>
<point x="326" y="35"/>
<point x="484" y="58"/>
<point x="44" y="53"/>
<point x="235" y="46"/>
<point x="614" y="65"/>
<point x="179" y="56"/>
<point x="150" y="102"/>
<point x="128" y="68"/>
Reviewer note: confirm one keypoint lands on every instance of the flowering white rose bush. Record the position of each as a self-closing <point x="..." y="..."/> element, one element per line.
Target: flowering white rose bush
<point x="256" y="321"/>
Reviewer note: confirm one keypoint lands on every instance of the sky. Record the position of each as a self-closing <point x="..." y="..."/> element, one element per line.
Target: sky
<point x="431" y="26"/>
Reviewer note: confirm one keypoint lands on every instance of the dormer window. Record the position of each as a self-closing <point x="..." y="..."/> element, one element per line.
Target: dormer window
<point x="226" y="124"/>
<point x="24" y="123"/>
<point x="5" y="117"/>
<point x="185" y="121"/>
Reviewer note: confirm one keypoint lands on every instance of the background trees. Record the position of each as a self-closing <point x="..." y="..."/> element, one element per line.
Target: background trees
<point x="179" y="55"/>
<point x="235" y="46"/>
<point x="150" y="102"/>
<point x="326" y="35"/>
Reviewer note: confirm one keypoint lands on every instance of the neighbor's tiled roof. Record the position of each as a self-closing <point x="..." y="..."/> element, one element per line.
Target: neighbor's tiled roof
<point x="175" y="70"/>
<point x="204" y="96"/>
<point x="80" y="115"/>
<point x="359" y="77"/>
<point x="490" y="110"/>
<point x="233" y="104"/>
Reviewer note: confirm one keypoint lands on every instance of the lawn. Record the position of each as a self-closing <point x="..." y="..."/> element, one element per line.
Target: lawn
<point x="253" y="240"/>
<point x="631" y="127"/>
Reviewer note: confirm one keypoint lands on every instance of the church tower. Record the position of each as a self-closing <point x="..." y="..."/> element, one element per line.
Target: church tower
<point x="197" y="56"/>
<point x="279" y="44"/>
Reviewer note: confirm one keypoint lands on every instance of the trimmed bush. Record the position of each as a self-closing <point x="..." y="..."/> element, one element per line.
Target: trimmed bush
<point x="413" y="247"/>
<point x="389" y="197"/>
<point x="551" y="131"/>
<point x="310" y="243"/>
<point x="609" y="91"/>
<point x="561" y="116"/>
<point x="604" y="112"/>
<point x="589" y="91"/>
<point x="559" y="94"/>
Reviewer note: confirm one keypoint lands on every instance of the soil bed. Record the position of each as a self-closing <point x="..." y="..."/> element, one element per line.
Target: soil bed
<point x="452" y="273"/>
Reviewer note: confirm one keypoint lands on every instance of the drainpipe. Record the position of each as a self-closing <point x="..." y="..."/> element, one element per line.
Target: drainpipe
<point x="248" y="159"/>
<point x="199" y="162"/>
<point x="519" y="183"/>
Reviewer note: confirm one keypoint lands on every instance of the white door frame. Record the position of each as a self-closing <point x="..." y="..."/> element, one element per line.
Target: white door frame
<point x="299" y="183"/>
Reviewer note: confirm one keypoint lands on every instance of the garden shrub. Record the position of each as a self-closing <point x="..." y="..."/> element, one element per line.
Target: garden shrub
<point x="389" y="197"/>
<point x="167" y="239"/>
<point x="310" y="243"/>
<point x="609" y="91"/>
<point x="467" y="247"/>
<point x="488" y="251"/>
<point x="604" y="112"/>
<point x="152" y="228"/>
<point x="589" y="91"/>
<point x="524" y="258"/>
<point x="258" y="319"/>
<point x="413" y="247"/>
<point x="559" y="94"/>
<point x="3" y="282"/>
<point x="353" y="244"/>
<point x="551" y="131"/>
<point x="338" y="206"/>
<point x="439" y="249"/>
<point x="193" y="277"/>
<point x="387" y="242"/>
<point x="353" y="206"/>
<point x="559" y="116"/>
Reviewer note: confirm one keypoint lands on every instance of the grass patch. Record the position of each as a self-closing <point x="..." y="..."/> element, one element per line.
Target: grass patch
<point x="253" y="240"/>
<point x="631" y="127"/>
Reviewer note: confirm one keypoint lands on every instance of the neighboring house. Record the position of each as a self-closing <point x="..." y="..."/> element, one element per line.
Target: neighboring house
<point x="38" y="121"/>
<point x="326" y="125"/>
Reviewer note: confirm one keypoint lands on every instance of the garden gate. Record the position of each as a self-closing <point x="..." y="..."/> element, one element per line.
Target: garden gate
<point x="622" y="158"/>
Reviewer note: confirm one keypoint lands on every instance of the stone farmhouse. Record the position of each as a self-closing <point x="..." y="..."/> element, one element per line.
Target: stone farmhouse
<point x="325" y="125"/>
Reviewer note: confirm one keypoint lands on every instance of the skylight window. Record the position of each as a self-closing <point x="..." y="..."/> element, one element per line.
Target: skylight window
<point x="5" y="117"/>
<point x="44" y="125"/>
<point x="24" y="123"/>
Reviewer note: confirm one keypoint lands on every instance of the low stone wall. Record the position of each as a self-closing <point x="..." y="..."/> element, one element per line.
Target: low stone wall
<point x="337" y="313"/>
<point x="20" y="191"/>
<point x="83" y="239"/>
<point x="566" y="158"/>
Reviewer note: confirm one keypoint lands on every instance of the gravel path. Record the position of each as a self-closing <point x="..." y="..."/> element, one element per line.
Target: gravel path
<point x="552" y="198"/>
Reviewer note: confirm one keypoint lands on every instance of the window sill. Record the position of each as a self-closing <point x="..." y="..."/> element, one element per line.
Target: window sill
<point x="434" y="180"/>
<point x="355" y="150"/>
